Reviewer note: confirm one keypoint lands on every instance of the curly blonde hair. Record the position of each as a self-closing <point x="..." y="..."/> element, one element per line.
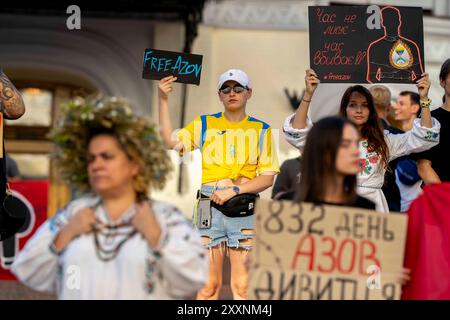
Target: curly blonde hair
<point x="137" y="137"/>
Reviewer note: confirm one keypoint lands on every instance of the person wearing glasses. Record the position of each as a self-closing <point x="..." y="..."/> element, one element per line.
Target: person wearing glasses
<point x="238" y="158"/>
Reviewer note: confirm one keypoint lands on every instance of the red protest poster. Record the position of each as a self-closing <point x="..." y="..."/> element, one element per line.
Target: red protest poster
<point x="34" y="194"/>
<point x="428" y="245"/>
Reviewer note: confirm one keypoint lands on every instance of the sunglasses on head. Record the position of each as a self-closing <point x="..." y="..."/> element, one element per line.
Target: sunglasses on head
<point x="237" y="89"/>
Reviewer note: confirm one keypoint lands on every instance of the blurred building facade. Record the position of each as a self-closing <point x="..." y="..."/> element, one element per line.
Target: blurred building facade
<point x="266" y="38"/>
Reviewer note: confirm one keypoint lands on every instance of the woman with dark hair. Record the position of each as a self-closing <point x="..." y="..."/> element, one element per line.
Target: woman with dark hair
<point x="377" y="147"/>
<point x="330" y="164"/>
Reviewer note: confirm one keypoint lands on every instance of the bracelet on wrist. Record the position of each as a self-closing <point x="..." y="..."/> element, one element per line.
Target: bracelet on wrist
<point x="425" y="103"/>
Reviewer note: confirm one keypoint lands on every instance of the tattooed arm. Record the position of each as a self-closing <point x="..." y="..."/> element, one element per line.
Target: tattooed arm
<point x="10" y="97"/>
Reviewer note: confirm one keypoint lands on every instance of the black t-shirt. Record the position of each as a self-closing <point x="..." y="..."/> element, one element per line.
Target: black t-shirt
<point x="12" y="170"/>
<point x="2" y="184"/>
<point x="2" y="162"/>
<point x="2" y="178"/>
<point x="364" y="203"/>
<point x="360" y="202"/>
<point x="437" y="154"/>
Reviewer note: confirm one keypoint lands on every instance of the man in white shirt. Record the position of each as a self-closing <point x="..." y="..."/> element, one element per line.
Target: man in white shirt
<point x="408" y="180"/>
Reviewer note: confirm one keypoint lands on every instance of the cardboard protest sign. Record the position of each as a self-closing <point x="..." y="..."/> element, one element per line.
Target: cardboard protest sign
<point x="159" y="64"/>
<point x="366" y="44"/>
<point x="304" y="252"/>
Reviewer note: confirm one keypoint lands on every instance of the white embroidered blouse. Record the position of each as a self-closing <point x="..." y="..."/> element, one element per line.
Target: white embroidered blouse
<point x="371" y="175"/>
<point x="176" y="268"/>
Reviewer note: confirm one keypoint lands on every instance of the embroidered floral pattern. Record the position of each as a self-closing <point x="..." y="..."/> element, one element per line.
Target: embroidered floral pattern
<point x="431" y="136"/>
<point x="364" y="167"/>
<point x="362" y="164"/>
<point x="58" y="220"/>
<point x="373" y="159"/>
<point x="370" y="159"/>
<point x="150" y="275"/>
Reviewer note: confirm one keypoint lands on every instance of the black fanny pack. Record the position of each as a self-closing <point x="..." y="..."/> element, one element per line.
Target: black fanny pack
<point x="241" y="205"/>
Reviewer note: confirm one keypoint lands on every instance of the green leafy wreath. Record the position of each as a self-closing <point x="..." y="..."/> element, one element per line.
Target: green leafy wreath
<point x="83" y="115"/>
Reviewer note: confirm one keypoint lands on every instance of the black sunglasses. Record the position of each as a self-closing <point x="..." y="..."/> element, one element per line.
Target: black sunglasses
<point x="237" y="89"/>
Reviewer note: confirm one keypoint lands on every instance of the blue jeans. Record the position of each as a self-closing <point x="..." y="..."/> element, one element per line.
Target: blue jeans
<point x="225" y="229"/>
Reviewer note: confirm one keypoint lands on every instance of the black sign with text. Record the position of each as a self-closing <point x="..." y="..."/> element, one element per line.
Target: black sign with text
<point x="366" y="44"/>
<point x="159" y="64"/>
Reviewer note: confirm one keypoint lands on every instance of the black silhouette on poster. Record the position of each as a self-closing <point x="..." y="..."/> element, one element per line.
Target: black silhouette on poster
<point x="404" y="62"/>
<point x="359" y="44"/>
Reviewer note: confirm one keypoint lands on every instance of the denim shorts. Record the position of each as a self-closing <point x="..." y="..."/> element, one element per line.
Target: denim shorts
<point x="225" y="229"/>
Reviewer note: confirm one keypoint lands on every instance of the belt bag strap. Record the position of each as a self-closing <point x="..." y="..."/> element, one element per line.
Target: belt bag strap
<point x="241" y="205"/>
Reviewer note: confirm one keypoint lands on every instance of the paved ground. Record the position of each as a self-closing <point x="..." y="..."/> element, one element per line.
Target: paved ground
<point x="12" y="290"/>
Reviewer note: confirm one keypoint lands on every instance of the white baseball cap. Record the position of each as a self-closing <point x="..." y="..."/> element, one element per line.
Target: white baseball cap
<point x="234" y="74"/>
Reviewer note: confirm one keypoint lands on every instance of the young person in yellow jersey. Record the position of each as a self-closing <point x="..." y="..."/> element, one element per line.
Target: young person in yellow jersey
<point x="239" y="160"/>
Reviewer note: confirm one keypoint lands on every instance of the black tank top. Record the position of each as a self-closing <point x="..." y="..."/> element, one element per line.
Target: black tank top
<point x="2" y="157"/>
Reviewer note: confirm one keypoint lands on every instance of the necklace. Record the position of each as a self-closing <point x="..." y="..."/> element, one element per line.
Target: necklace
<point x="105" y="254"/>
<point x="111" y="232"/>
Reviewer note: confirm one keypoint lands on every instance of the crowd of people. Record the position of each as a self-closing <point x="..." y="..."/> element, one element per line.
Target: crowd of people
<point x="11" y="107"/>
<point x="127" y="245"/>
